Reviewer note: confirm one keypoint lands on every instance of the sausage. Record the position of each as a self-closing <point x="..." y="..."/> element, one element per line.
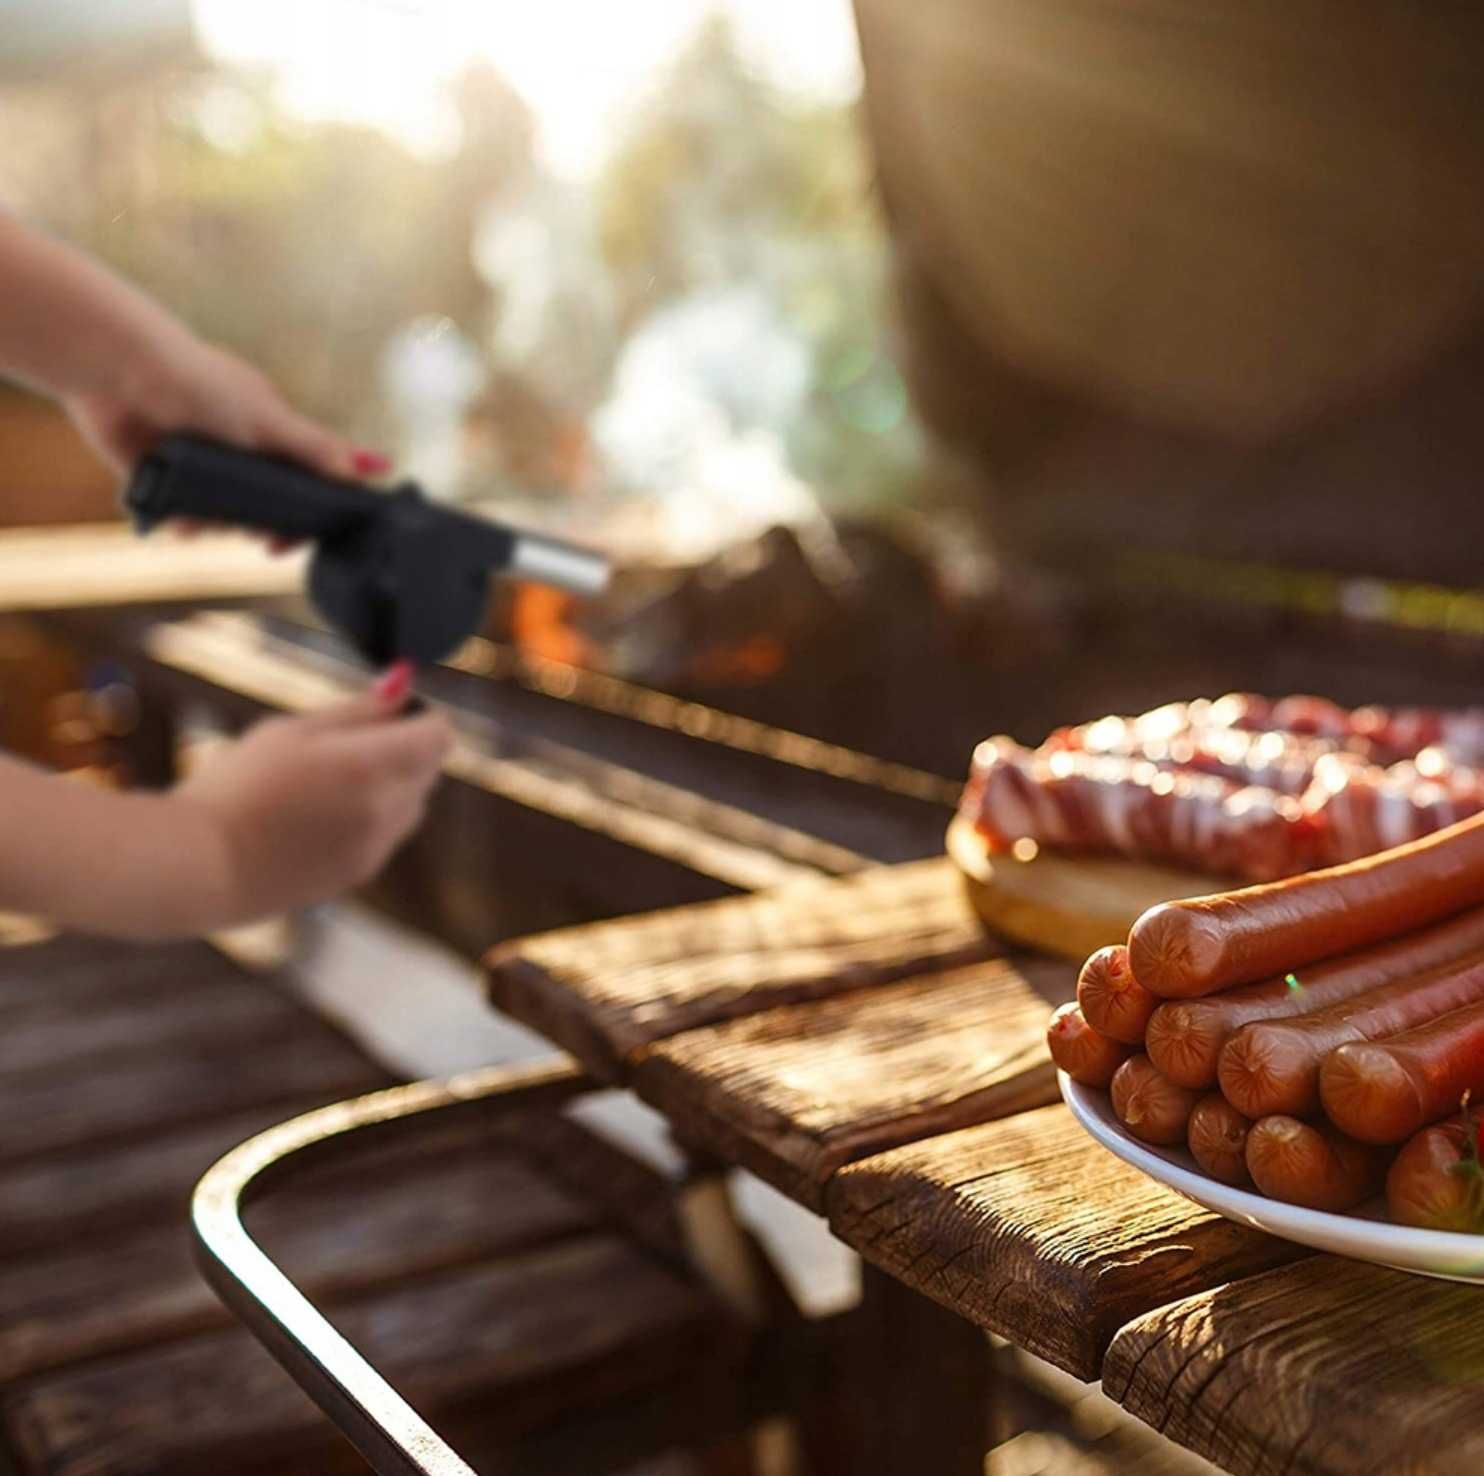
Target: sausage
<point x="1436" y="1182"/>
<point x="1085" y="1054"/>
<point x="1382" y="1091"/>
<point x="1273" y="1065"/>
<point x="1312" y="1164"/>
<point x="1184" y="1037"/>
<point x="1112" y="1000"/>
<point x="1149" y="1104"/>
<point x="1217" y="1138"/>
<point x="1195" y="947"/>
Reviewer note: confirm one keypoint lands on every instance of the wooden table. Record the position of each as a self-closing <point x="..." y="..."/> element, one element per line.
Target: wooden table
<point x="862" y="1045"/>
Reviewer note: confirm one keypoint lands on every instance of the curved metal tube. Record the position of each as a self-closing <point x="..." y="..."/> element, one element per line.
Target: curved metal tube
<point x="388" y="1432"/>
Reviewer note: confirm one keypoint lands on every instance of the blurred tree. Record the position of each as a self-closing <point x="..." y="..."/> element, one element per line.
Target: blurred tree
<point x="303" y="247"/>
<point x="726" y="181"/>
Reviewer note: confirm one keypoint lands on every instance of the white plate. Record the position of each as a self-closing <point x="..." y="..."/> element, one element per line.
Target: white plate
<point x="1364" y="1234"/>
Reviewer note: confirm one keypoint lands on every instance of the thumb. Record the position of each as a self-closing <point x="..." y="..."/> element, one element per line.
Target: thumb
<point x="384" y="698"/>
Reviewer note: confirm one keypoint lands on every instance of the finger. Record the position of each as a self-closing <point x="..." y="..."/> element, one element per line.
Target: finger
<point x="407" y="749"/>
<point x="384" y="698"/>
<point x="363" y="710"/>
<point x="316" y="446"/>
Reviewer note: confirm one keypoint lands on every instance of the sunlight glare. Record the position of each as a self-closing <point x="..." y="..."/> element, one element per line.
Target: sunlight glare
<point x="579" y="64"/>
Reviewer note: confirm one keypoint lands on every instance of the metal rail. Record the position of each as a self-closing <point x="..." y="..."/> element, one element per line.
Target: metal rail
<point x="387" y="1431"/>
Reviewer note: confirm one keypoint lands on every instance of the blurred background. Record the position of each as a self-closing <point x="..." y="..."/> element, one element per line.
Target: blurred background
<point x="623" y="275"/>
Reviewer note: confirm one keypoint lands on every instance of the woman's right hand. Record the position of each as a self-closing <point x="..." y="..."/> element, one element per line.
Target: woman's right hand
<point x="303" y="808"/>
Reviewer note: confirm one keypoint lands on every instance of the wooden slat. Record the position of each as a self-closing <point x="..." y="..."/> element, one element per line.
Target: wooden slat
<point x="1324" y="1368"/>
<point x="389" y="1221"/>
<point x="795" y="1092"/>
<point x="1028" y="1228"/>
<point x="604" y="992"/>
<point x="72" y="972"/>
<point x="101" y="1190"/>
<point x="108" y="564"/>
<point x="44" y="1112"/>
<point x="177" y="1014"/>
<point x="578" y="1324"/>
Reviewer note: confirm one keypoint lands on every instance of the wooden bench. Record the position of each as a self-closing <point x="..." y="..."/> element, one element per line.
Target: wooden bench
<point x="1323" y="1366"/>
<point x="508" y="1305"/>
<point x="904" y="1091"/>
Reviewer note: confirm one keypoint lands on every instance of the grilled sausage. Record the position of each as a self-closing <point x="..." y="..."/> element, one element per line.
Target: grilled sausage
<point x="1085" y="1054"/>
<point x="1112" y="1000"/>
<point x="1436" y="1181"/>
<point x="1312" y="1164"/>
<point x="1149" y="1104"/>
<point x="1184" y="1037"/>
<point x="1382" y="1091"/>
<point x="1273" y="1065"/>
<point x="1195" y="947"/>
<point x="1217" y="1138"/>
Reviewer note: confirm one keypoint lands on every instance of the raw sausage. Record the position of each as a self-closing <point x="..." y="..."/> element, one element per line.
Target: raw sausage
<point x="1195" y="947"/>
<point x="1312" y="1165"/>
<point x="1382" y="1091"/>
<point x="1273" y="1065"/>
<point x="1149" y="1104"/>
<point x="1436" y="1181"/>
<point x="1217" y="1139"/>
<point x="1112" y="1000"/>
<point x="1085" y="1054"/>
<point x="1184" y="1037"/>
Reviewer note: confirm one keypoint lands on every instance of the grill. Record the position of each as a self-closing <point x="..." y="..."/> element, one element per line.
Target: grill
<point x="575" y="796"/>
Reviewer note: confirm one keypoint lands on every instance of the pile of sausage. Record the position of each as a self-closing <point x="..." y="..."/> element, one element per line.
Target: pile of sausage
<point x="1318" y="1037"/>
<point x="1241" y="786"/>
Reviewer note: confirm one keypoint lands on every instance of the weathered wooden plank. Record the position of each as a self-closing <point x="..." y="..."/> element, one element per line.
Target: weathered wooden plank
<point x="394" y="1218"/>
<point x="99" y="1191"/>
<point x="72" y="971"/>
<point x="45" y="1112"/>
<point x="604" y="992"/>
<point x="795" y="1092"/>
<point x="922" y="1380"/>
<point x="522" y="1340"/>
<point x="1028" y="1228"/>
<point x="187" y="1007"/>
<point x="1323" y="1368"/>
<point x="626" y="1193"/>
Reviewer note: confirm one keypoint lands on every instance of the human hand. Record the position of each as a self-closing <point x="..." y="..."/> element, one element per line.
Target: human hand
<point x="186" y="384"/>
<point x="303" y="808"/>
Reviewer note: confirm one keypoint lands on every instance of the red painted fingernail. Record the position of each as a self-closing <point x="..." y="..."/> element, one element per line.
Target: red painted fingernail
<point x="393" y="685"/>
<point x="370" y="462"/>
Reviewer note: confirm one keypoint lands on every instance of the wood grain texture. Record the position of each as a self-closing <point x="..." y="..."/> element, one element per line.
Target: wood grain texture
<point x="178" y="1014"/>
<point x="795" y="1092"/>
<point x="1324" y="1368"/>
<point x="394" y="1219"/>
<point x="43" y="1112"/>
<point x="1030" y="1229"/>
<point x="604" y="992"/>
<point x="94" y="1193"/>
<point x="523" y="1339"/>
<point x="70" y="971"/>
